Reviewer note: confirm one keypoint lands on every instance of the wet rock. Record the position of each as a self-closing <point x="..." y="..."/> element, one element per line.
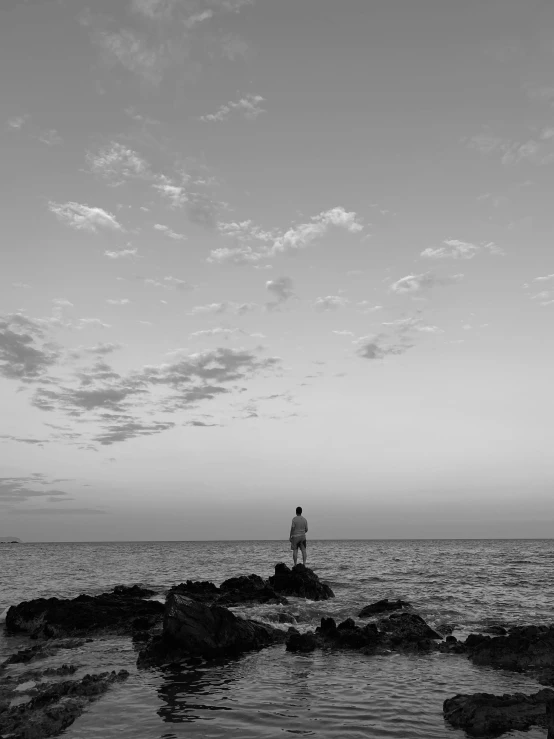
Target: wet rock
<point x="247" y="589"/>
<point x="191" y="628"/>
<point x="524" y="648"/>
<point x="407" y="631"/>
<point x="54" y="617"/>
<point x="348" y="634"/>
<point x="495" y="629"/>
<point x="55" y="706"/>
<point x="381" y="606"/>
<point x="488" y="715"/>
<point x="302" y="642"/>
<point x="300" y="581"/>
<point x="40" y="651"/>
<point x="239" y="590"/>
<point x="199" y="590"/>
<point x="133" y="591"/>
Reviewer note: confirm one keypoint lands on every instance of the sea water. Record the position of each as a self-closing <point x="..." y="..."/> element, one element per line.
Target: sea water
<point x="463" y="585"/>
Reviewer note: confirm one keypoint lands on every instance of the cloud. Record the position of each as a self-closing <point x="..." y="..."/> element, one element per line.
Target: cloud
<point x="455" y="249"/>
<point x="18" y="122"/>
<point x="366" y="307"/>
<point x="174" y="193"/>
<point x="374" y="348"/>
<point x="122" y="254"/>
<point x="512" y="151"/>
<point x="25" y="354"/>
<point x="21" y="440"/>
<point x="249" y="106"/>
<point x="254" y="243"/>
<point x="218" y="331"/>
<point x="343" y="333"/>
<point x="178" y="284"/>
<point x="117" y="163"/>
<point x="17" y="490"/>
<point x="331" y="302"/>
<point x="91" y="323"/>
<point x="118" y="301"/>
<point x="545" y="297"/>
<point x="169" y="233"/>
<point x="50" y="137"/>
<point x="544" y="278"/>
<point x="239" y="309"/>
<point x="82" y="217"/>
<point x="117" y="432"/>
<point x="133" y="52"/>
<point x="427" y="280"/>
<point x="281" y="288"/>
<point x="21" y="285"/>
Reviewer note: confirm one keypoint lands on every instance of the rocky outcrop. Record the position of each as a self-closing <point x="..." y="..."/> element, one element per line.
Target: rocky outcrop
<point x="241" y="590"/>
<point x="54" y="706"/>
<point x="487" y="715"/>
<point x="407" y="632"/>
<point x="54" y="617"/>
<point x="524" y="648"/>
<point x="133" y="591"/>
<point x="194" y="629"/>
<point x="300" y="581"/>
<point x="297" y="642"/>
<point x="382" y="606"/>
<point x="40" y="651"/>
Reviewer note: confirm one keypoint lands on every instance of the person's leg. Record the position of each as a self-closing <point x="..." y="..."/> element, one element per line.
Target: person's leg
<point x="295" y="554"/>
<point x="304" y="554"/>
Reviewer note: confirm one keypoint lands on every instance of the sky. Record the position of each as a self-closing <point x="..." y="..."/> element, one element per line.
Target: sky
<point x="259" y="254"/>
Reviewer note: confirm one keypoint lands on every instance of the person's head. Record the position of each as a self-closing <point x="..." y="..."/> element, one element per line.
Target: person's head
<point x="299" y="511"/>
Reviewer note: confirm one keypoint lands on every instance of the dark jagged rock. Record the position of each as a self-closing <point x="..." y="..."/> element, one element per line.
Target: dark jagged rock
<point x="495" y="629"/>
<point x="191" y="628"/>
<point x="348" y="634"/>
<point x="407" y="632"/>
<point x="381" y="606"/>
<point x="133" y="591"/>
<point x="40" y="651"/>
<point x="54" y="617"/>
<point x="204" y="591"/>
<point x="239" y="590"/>
<point x="302" y="642"/>
<point x="247" y="589"/>
<point x="300" y="581"/>
<point x="487" y="715"/>
<point x="524" y="648"/>
<point x="55" y="706"/>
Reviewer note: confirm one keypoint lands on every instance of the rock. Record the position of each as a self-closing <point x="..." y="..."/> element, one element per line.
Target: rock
<point x="247" y="589"/>
<point x="55" y="706"/>
<point x="302" y="642"/>
<point x="133" y="591"/>
<point x="53" y="617"/>
<point x="239" y="590"/>
<point x="202" y="591"/>
<point x="495" y="629"/>
<point x="348" y="634"/>
<point x="524" y="648"/>
<point x="487" y="715"/>
<point x="300" y="581"/>
<point x="191" y="628"/>
<point x="383" y="605"/>
<point x="40" y="651"/>
<point x="407" y="631"/>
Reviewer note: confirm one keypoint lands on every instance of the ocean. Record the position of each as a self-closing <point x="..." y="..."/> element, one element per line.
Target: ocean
<point x="466" y="584"/>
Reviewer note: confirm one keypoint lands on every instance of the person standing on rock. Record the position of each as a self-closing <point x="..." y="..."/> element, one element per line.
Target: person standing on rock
<point x="297" y="538"/>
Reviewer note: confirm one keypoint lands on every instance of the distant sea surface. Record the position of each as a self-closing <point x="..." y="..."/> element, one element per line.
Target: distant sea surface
<point x="467" y="584"/>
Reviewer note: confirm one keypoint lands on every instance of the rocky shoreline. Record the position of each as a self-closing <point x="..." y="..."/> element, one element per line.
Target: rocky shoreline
<point x="196" y="622"/>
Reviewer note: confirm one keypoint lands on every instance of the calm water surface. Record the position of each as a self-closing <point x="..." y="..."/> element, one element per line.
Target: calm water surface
<point x="466" y="584"/>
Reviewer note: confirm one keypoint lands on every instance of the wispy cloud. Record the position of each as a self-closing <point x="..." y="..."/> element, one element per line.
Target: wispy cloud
<point x="427" y="280"/>
<point x="239" y="309"/>
<point x="83" y="217"/>
<point x="282" y="289"/>
<point x="331" y="302"/>
<point x="254" y="243"/>
<point x="456" y="249"/>
<point x="117" y="163"/>
<point x="121" y="254"/>
<point x="169" y="233"/>
<point x="118" y="301"/>
<point x="26" y="353"/>
<point x="535" y="150"/>
<point x="249" y="106"/>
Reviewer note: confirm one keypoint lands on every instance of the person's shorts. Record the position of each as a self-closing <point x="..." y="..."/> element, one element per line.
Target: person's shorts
<point x="298" y="543"/>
